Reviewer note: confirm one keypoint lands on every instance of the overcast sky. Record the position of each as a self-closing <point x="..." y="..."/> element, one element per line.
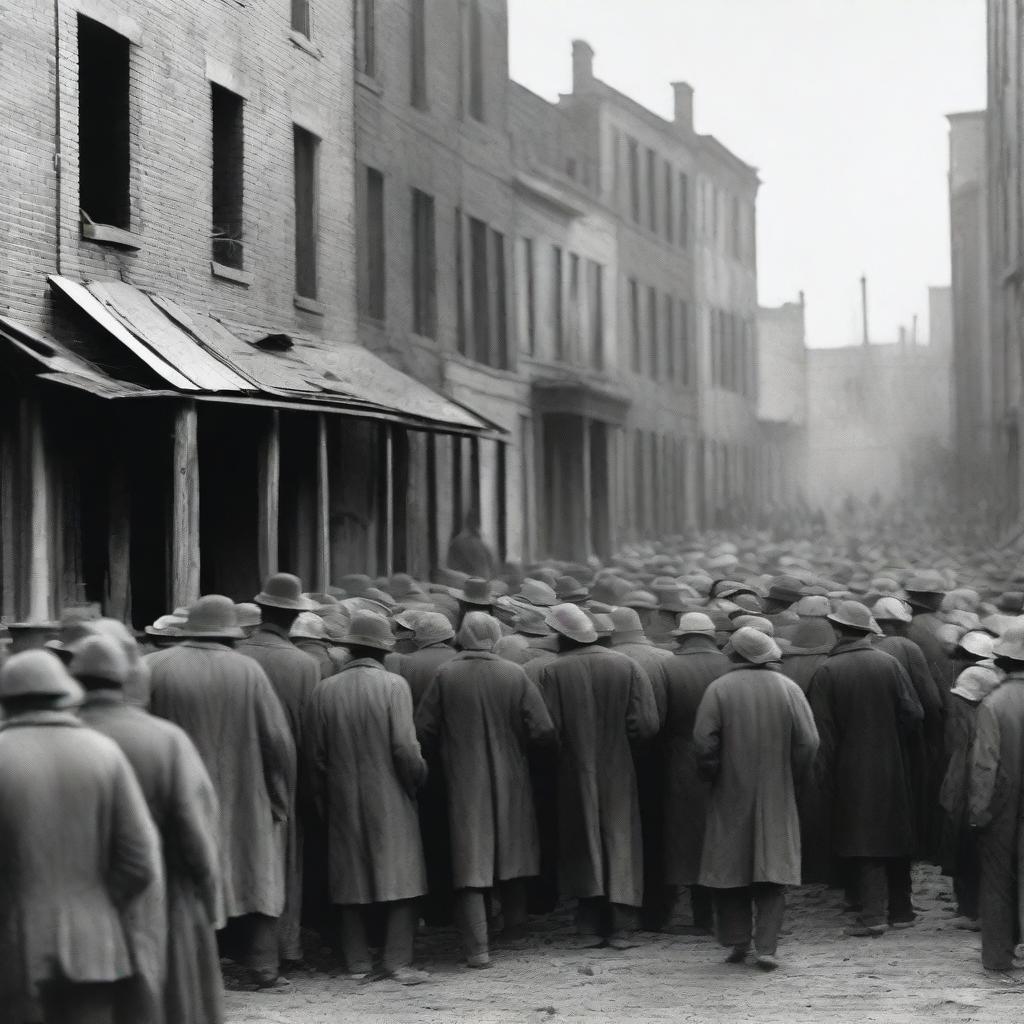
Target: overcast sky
<point x="841" y="106"/>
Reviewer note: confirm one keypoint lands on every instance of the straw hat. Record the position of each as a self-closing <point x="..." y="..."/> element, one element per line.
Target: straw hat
<point x="433" y="628"/>
<point x="369" y="630"/>
<point x="283" y="590"/>
<point x="167" y="625"/>
<point x="571" y="621"/>
<point x="308" y="626"/>
<point x="856" y="616"/>
<point x="978" y="642"/>
<point x="37" y="674"/>
<point x="695" y="624"/>
<point x="754" y="647"/>
<point x="537" y="593"/>
<point x="479" y="632"/>
<point x="212" y="617"/>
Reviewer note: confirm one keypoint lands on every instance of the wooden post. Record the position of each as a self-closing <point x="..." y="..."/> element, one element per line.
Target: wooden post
<point x="586" y="493"/>
<point x="185" y="524"/>
<point x="389" y="500"/>
<point x="269" y="513"/>
<point x="322" y="553"/>
<point x="40" y="580"/>
<point x="118" y="602"/>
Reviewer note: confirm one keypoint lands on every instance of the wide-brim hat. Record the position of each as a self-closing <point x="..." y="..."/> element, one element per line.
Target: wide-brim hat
<point x="856" y="616"/>
<point x="37" y="673"/>
<point x="167" y="625"/>
<point x="642" y="600"/>
<point x="308" y="626"/>
<point x="432" y="628"/>
<point x="212" y="617"/>
<point x="476" y="592"/>
<point x="754" y="647"/>
<point x="925" y="601"/>
<point x="695" y="624"/>
<point x="978" y="642"/>
<point x="248" y="614"/>
<point x="568" y="588"/>
<point x="977" y="682"/>
<point x="99" y="657"/>
<point x="891" y="609"/>
<point x="571" y="621"/>
<point x="1010" y="644"/>
<point x="785" y="588"/>
<point x="537" y="593"/>
<point x="367" y="629"/>
<point x="531" y="621"/>
<point x="283" y="590"/>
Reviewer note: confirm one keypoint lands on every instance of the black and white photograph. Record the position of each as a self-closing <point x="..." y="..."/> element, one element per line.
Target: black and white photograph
<point x="511" y="511"/>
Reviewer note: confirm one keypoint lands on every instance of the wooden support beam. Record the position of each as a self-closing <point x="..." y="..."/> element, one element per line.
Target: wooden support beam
<point x="389" y="500"/>
<point x="269" y="514"/>
<point x="322" y="553"/>
<point x="185" y="518"/>
<point x="586" y="547"/>
<point x="118" y="596"/>
<point x="40" y="563"/>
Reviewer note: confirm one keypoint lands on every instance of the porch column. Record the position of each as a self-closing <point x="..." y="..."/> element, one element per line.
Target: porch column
<point x="322" y="548"/>
<point x="185" y="518"/>
<point x="118" y="596"/>
<point x="40" y="566"/>
<point x="586" y="495"/>
<point x="389" y="500"/>
<point x="269" y="484"/>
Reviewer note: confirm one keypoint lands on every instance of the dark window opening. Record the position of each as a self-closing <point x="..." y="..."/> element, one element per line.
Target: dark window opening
<point x="476" y="61"/>
<point x="634" y="324"/>
<point x="366" y="38"/>
<point x="652" y="326"/>
<point x="418" y="63"/>
<point x="306" y="228"/>
<point x="670" y="206"/>
<point x="597" y="315"/>
<point x="684" y="210"/>
<point x="104" y="153"/>
<point x="634" y="180"/>
<point x="500" y="357"/>
<point x="557" y="303"/>
<point x="374" y="277"/>
<point x="531" y="296"/>
<point x="462" y="328"/>
<point x="228" y="178"/>
<point x="424" y="265"/>
<point x="652" y="190"/>
<point x="480" y="294"/>
<point x="300" y="17"/>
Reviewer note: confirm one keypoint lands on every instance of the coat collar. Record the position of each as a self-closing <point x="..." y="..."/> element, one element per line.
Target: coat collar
<point x="477" y="656"/>
<point x="37" y="718"/>
<point x="269" y="634"/>
<point x="204" y="645"/>
<point x="639" y="637"/>
<point x="848" y="646"/>
<point x="364" y="663"/>
<point x="104" y="698"/>
<point x="697" y="645"/>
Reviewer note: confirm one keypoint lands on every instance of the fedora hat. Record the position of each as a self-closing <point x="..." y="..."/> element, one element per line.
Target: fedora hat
<point x="537" y="593"/>
<point x="212" y="617"/>
<point x="308" y="626"/>
<point x="432" y="628"/>
<point x="476" y="591"/>
<point x="530" y="622"/>
<point x="856" y="616"/>
<point x="100" y="657"/>
<point x="368" y="629"/>
<point x="283" y="590"/>
<point x="891" y="609"/>
<point x="754" y="647"/>
<point x="695" y="624"/>
<point x="37" y="674"/>
<point x="571" y="621"/>
<point x="479" y="632"/>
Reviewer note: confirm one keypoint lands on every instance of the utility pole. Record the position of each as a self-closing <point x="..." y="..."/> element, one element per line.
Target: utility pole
<point x="864" y="307"/>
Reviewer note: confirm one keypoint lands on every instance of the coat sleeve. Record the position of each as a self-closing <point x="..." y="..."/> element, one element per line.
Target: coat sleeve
<point x="276" y="744"/>
<point x="405" y="749"/>
<point x="534" y="714"/>
<point x="911" y="713"/>
<point x="804" y="743"/>
<point x="659" y="685"/>
<point x="549" y="692"/>
<point x="925" y="686"/>
<point x="428" y="714"/>
<point x="642" y="714"/>
<point x="822" y="704"/>
<point x="314" y="755"/>
<point x="134" y="843"/>
<point x="983" y="792"/>
<point x="707" y="735"/>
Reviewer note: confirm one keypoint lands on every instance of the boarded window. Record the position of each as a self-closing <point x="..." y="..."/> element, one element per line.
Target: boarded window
<point x="480" y="293"/>
<point x="462" y="331"/>
<point x="596" y="290"/>
<point x="424" y="265"/>
<point x="557" y="303"/>
<point x="634" y="325"/>
<point x="104" y="153"/>
<point x="684" y="210"/>
<point x="306" y="227"/>
<point x="476" y="61"/>
<point x="652" y="190"/>
<point x="366" y="38"/>
<point x="530" y="295"/>
<point x="228" y="177"/>
<point x="373" y="294"/>
<point x="655" y="335"/>
<point x="418" y="54"/>
<point x="634" y="180"/>
<point x="670" y="206"/>
<point x="300" y="17"/>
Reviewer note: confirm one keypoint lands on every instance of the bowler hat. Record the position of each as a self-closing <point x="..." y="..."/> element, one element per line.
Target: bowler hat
<point x="368" y="629"/>
<point x="476" y="592"/>
<point x="308" y="626"/>
<point x="854" y="615"/>
<point x="573" y="622"/>
<point x="695" y="624"/>
<point x="754" y="647"/>
<point x="212" y="617"/>
<point x="37" y="673"/>
<point x="432" y="628"/>
<point x="537" y="593"/>
<point x="891" y="609"/>
<point x="283" y="590"/>
<point x="479" y="632"/>
<point x="100" y="657"/>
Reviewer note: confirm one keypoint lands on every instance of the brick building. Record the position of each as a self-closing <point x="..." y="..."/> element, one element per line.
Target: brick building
<point x="183" y="406"/>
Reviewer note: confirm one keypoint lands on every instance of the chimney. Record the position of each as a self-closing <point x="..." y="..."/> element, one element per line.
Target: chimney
<point x="582" y="66"/>
<point x="684" y="106"/>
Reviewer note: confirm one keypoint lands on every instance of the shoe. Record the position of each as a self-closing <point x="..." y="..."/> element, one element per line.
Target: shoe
<point x="276" y="985"/>
<point x="356" y="975"/>
<point x="620" y="942"/>
<point x="966" y="924"/>
<point x="479" y="963"/>
<point x="864" y="931"/>
<point x="409" y="976"/>
<point x="738" y="955"/>
<point x="767" y="962"/>
<point x="903" y="925"/>
<point x="586" y="942"/>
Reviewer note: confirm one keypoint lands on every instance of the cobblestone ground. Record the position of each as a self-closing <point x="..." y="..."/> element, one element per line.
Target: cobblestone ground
<point x="929" y="973"/>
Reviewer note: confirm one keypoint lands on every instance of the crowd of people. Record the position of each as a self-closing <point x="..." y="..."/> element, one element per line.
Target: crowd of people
<point x="677" y="736"/>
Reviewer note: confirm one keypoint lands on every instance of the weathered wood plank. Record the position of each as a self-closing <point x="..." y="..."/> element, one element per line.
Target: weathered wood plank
<point x="269" y="513"/>
<point x="185" y="519"/>
<point x="322" y="553"/>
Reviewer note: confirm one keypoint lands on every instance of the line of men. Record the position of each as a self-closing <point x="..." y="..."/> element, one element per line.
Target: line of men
<point x="271" y="783"/>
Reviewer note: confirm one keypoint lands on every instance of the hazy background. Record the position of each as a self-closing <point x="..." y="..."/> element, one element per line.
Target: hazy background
<point x="841" y="106"/>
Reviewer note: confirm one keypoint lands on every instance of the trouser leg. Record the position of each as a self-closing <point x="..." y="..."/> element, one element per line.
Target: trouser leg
<point x="770" y="904"/>
<point x="872" y="891"/>
<point x="354" y="946"/>
<point x="621" y="920"/>
<point x="514" y="896"/>
<point x="68" y="1002"/>
<point x="997" y="903"/>
<point x="901" y="905"/>
<point x="702" y="904"/>
<point x="966" y="882"/>
<point x="253" y="943"/>
<point x="290" y="930"/>
<point x="733" y="916"/>
<point x="401" y="934"/>
<point x="471" y="920"/>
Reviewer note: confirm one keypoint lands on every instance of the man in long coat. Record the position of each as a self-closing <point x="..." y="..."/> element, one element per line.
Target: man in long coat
<point x="227" y="706"/>
<point x="867" y="713"/>
<point x="483" y="714"/>
<point x="996" y="804"/>
<point x="755" y="739"/>
<point x="183" y="805"/>
<point x="433" y="636"/>
<point x="599" y="701"/>
<point x="294" y="675"/>
<point x="684" y="679"/>
<point x="79" y="858"/>
<point x="365" y="766"/>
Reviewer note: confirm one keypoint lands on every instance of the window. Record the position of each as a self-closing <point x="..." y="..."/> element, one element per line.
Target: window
<point x="736" y="230"/>
<point x="476" y="61"/>
<point x="716" y="354"/>
<point x="373" y="294"/>
<point x="684" y="210"/>
<point x="689" y="367"/>
<point x="655" y="337"/>
<point x="103" y="130"/>
<point x="306" y="228"/>
<point x="557" y="304"/>
<point x="670" y="206"/>
<point x="634" y="180"/>
<point x="596" y="290"/>
<point x="462" y="329"/>
<point x="634" y="324"/>
<point x="366" y="38"/>
<point x="574" y="306"/>
<point x="480" y="295"/>
<point x="486" y="329"/>
<point x="652" y="190"/>
<point x="670" y="337"/>
<point x="424" y="265"/>
<point x="499" y="292"/>
<point x="530" y="295"/>
<point x="228" y="177"/>
<point x="418" y="54"/>
<point x="300" y="17"/>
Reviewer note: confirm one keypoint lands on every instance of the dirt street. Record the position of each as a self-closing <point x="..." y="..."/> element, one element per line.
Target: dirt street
<point x="930" y="973"/>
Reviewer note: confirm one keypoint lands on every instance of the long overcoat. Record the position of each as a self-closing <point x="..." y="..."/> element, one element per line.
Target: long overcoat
<point x="867" y="712"/>
<point x="923" y="631"/>
<point x="225" y="703"/>
<point x="420" y="667"/>
<point x="79" y="860"/>
<point x="484" y="713"/>
<point x="320" y="652"/>
<point x="365" y="766"/>
<point x="755" y="738"/>
<point x="685" y="678"/>
<point x="599" y="700"/>
<point x="961" y="727"/>
<point x="183" y="806"/>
